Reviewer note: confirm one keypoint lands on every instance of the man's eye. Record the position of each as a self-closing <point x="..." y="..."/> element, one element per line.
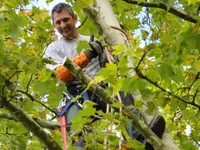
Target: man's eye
<point x="58" y="22"/>
<point x="65" y="19"/>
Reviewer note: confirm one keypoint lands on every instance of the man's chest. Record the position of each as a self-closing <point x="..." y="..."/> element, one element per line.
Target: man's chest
<point x="68" y="50"/>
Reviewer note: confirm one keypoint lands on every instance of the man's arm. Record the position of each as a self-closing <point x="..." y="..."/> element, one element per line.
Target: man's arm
<point x="81" y="60"/>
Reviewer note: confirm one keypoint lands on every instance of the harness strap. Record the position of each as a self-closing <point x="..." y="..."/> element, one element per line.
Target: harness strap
<point x="85" y="96"/>
<point x="61" y="113"/>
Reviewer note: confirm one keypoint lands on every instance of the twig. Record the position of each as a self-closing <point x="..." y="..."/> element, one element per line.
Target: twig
<point x="8" y="82"/>
<point x="142" y="58"/>
<point x="177" y="12"/>
<point x="29" y="82"/>
<point x="82" y="23"/>
<point x="198" y="8"/>
<point x="34" y="99"/>
<point x="121" y="30"/>
<point x="196" y="78"/>
<point x="195" y="95"/>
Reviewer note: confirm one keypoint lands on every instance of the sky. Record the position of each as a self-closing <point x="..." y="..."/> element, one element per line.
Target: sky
<point x="42" y="3"/>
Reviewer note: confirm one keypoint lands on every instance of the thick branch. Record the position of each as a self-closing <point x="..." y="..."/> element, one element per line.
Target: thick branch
<point x="7" y="116"/>
<point x="43" y="123"/>
<point x="111" y="36"/>
<point x="102" y="93"/>
<point x="175" y="11"/>
<point x="30" y="124"/>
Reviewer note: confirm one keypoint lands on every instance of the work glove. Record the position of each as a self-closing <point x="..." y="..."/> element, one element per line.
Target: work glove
<point x="103" y="59"/>
<point x="96" y="49"/>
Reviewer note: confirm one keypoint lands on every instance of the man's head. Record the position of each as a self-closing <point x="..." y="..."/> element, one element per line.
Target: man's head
<point x="64" y="20"/>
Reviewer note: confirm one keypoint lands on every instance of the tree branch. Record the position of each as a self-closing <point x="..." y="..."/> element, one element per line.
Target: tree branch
<point x="47" y="124"/>
<point x="43" y="123"/>
<point x="82" y="23"/>
<point x="29" y="82"/>
<point x="142" y="58"/>
<point x="175" y="11"/>
<point x="7" y="116"/>
<point x="34" y="99"/>
<point x="196" y="78"/>
<point x="30" y="124"/>
<point x="103" y="94"/>
<point x="164" y="90"/>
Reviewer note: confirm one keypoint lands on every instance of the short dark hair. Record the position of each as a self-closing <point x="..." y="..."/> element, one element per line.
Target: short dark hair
<point x="60" y="6"/>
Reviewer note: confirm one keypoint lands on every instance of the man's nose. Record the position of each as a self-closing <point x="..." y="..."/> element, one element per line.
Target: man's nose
<point x="63" y="24"/>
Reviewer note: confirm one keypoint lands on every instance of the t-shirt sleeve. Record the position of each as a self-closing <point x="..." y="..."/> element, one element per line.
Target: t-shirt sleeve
<point x="52" y="52"/>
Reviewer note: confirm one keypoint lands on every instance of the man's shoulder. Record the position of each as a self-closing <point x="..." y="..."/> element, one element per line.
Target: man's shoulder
<point x="55" y="43"/>
<point x="84" y="37"/>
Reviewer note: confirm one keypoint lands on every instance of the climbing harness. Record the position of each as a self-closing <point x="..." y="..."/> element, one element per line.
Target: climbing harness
<point x="63" y="106"/>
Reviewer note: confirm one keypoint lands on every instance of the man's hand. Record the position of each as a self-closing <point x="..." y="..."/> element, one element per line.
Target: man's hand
<point x="96" y="49"/>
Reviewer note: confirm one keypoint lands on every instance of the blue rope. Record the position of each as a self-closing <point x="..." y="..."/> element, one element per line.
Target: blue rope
<point x="65" y="109"/>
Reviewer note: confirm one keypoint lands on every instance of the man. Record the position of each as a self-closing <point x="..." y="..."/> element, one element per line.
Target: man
<point x="64" y="21"/>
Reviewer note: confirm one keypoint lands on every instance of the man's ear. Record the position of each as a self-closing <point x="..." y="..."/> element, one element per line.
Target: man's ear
<point x="53" y="23"/>
<point x="75" y="18"/>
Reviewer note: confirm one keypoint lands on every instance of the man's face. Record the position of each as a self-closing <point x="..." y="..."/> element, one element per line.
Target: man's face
<point x="65" y="24"/>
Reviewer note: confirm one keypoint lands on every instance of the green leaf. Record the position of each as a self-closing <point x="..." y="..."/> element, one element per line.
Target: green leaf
<point x="108" y="116"/>
<point x="122" y="65"/>
<point x="125" y="86"/>
<point x="146" y="94"/>
<point x="196" y="85"/>
<point x="1" y="49"/>
<point x="138" y="145"/>
<point x="82" y="45"/>
<point x="48" y="1"/>
<point x="167" y="38"/>
<point x="169" y="3"/>
<point x="165" y="70"/>
<point x="80" y="4"/>
<point x="117" y="104"/>
<point x="118" y="49"/>
<point x="150" y="108"/>
<point x="144" y="34"/>
<point x="109" y="73"/>
<point x="197" y="65"/>
<point x="187" y="144"/>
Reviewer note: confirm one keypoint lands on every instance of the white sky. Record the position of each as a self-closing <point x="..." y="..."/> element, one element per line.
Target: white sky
<point x="42" y="4"/>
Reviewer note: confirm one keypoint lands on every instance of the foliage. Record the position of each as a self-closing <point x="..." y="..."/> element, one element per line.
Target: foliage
<point x="166" y="70"/>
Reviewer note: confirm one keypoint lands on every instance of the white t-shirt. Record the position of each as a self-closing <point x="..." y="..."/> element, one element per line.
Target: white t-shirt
<point x="61" y="48"/>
